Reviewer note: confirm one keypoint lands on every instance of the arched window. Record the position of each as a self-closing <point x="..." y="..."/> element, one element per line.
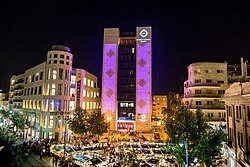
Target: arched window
<point x="53" y="89"/>
<point x="54" y="74"/>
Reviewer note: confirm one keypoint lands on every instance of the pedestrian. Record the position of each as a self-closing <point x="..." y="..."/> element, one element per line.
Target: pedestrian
<point x="53" y="160"/>
<point x="41" y="152"/>
<point x="56" y="160"/>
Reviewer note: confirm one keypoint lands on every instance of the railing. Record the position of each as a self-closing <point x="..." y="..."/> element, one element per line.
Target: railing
<point x="202" y="84"/>
<point x="207" y="106"/>
<point x="203" y="95"/>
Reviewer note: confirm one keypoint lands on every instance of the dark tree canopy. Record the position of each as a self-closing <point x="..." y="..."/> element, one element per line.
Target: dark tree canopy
<point x="203" y="142"/>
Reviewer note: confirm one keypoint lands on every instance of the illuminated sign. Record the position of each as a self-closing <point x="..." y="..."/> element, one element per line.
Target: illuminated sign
<point x="143" y="33"/>
<point x="143" y="118"/>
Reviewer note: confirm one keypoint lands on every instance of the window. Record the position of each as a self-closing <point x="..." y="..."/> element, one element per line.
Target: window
<point x="52" y="105"/>
<point x="51" y="121"/>
<point x="54" y="74"/>
<point x="133" y="50"/>
<point x="58" y="105"/>
<point x="24" y="104"/>
<point x="41" y="75"/>
<point x="209" y="80"/>
<point x="61" y="62"/>
<point x="198" y="103"/>
<point x="85" y="81"/>
<point x="220" y="82"/>
<point x="88" y="82"/>
<point x="197" y="81"/>
<point x="83" y="105"/>
<point x="35" y="92"/>
<point x="210" y="114"/>
<point x="37" y="76"/>
<point x="221" y="92"/>
<point x="198" y="92"/>
<point x="38" y="104"/>
<point x="49" y="61"/>
<point x="87" y="107"/>
<point x="84" y="93"/>
<point x="34" y="104"/>
<point x="219" y="71"/>
<point x="240" y="112"/>
<point x="33" y="78"/>
<point x="248" y="113"/>
<point x="49" y="73"/>
<point x="67" y="63"/>
<point x="197" y="71"/>
<point x="237" y="111"/>
<point x="31" y="91"/>
<point x="208" y="71"/>
<point x="73" y="79"/>
<point x="61" y="56"/>
<point x="59" y="89"/>
<point x="55" y="55"/>
<point x="29" y="79"/>
<point x="60" y="76"/>
<point x="92" y="84"/>
<point x="66" y="74"/>
<point x="87" y="93"/>
<point x="67" y="57"/>
<point x="53" y="89"/>
<point x="55" y="62"/>
<point x="40" y="90"/>
<point x="71" y="105"/>
<point x="209" y="102"/>
<point x="66" y="90"/>
<point x="48" y="89"/>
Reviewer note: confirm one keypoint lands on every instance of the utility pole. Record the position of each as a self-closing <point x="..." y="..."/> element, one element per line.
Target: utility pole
<point x="65" y="130"/>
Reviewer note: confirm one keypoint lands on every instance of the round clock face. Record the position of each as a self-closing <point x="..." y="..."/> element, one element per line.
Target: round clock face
<point x="143" y="33"/>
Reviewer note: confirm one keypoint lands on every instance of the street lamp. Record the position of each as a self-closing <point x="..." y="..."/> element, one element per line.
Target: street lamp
<point x="183" y="142"/>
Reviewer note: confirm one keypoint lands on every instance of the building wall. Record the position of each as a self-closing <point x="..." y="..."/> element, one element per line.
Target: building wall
<point x="205" y="87"/>
<point x="87" y="91"/>
<point x="237" y="101"/>
<point x="43" y="93"/>
<point x="159" y="101"/>
<point x="143" y="84"/>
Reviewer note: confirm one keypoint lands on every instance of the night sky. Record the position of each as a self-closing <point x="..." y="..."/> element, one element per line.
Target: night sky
<point x="182" y="33"/>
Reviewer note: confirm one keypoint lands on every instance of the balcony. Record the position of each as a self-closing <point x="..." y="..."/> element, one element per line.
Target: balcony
<point x="221" y="107"/>
<point x="202" y="85"/>
<point x="203" y="95"/>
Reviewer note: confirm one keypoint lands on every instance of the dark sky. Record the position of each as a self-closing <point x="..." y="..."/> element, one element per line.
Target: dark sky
<point x="183" y="33"/>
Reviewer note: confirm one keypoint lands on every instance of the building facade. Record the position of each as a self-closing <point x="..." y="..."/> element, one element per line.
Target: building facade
<point x="205" y="88"/>
<point x="237" y="102"/>
<point x="126" y="79"/>
<point x="4" y="101"/>
<point x="159" y="102"/>
<point x="44" y="94"/>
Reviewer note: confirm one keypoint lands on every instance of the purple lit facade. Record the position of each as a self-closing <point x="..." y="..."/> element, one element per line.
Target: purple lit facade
<point x="109" y="73"/>
<point x="124" y="112"/>
<point x="143" y="79"/>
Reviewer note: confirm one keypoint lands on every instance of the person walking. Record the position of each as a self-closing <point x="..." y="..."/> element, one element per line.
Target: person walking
<point x="53" y="160"/>
<point x="41" y="152"/>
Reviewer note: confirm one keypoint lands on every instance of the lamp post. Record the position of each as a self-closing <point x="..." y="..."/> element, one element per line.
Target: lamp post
<point x="183" y="142"/>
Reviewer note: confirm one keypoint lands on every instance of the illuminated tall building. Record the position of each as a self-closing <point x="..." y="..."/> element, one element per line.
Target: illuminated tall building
<point x="48" y="92"/>
<point x="126" y="79"/>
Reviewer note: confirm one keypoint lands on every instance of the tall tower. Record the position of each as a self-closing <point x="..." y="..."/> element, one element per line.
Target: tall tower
<point x="126" y="81"/>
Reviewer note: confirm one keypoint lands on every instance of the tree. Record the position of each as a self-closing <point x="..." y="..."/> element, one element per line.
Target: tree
<point x="17" y="119"/>
<point x="79" y="124"/>
<point x="97" y="123"/>
<point x="203" y="142"/>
